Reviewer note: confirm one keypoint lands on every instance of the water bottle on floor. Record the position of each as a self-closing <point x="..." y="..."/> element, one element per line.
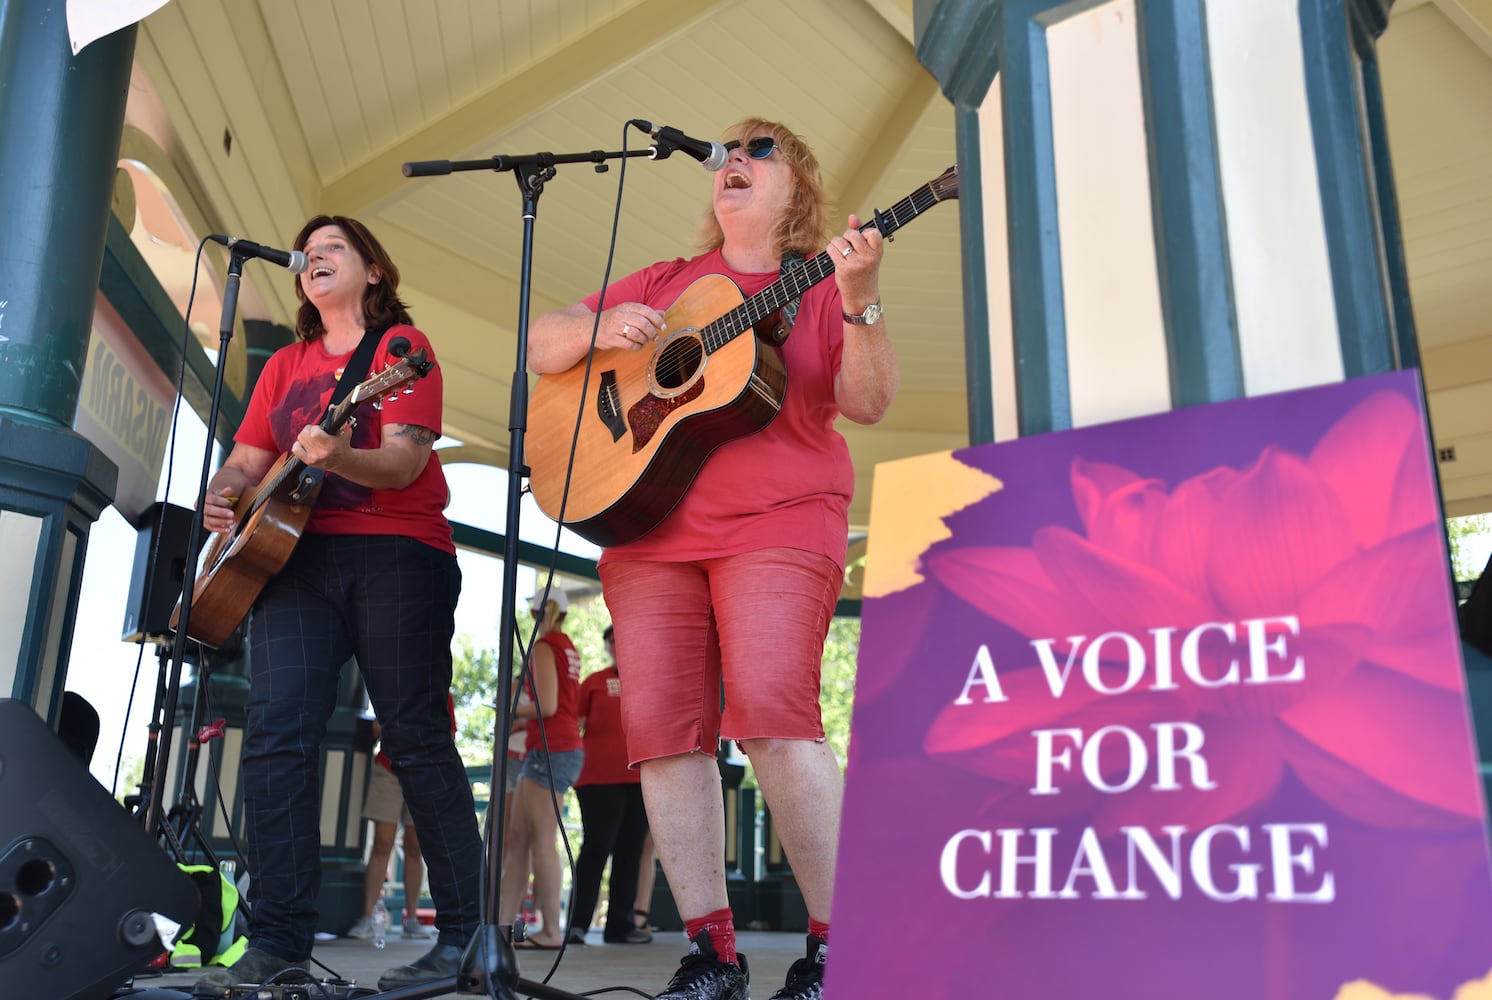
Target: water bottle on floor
<point x="380" y="923"/>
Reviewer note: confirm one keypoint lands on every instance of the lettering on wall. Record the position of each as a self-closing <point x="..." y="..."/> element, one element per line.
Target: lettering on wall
<point x="123" y="408"/>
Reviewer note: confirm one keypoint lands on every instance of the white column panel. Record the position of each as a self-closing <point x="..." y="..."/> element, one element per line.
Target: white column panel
<point x="355" y="797"/>
<point x="331" y="796"/>
<point x="1287" y="319"/>
<point x="1116" y="348"/>
<point x="20" y="536"/>
<point x="1001" y="330"/>
<point x="230" y="758"/>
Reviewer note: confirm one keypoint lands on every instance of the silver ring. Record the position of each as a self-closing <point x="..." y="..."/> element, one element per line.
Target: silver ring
<point x="847" y="251"/>
<point x="627" y="329"/>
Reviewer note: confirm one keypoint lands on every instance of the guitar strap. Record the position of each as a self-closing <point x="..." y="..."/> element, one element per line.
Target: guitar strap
<point x="355" y="372"/>
<point x="788" y="313"/>
<point x="357" y="368"/>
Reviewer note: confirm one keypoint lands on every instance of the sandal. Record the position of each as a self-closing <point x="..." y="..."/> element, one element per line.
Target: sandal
<point x="644" y="925"/>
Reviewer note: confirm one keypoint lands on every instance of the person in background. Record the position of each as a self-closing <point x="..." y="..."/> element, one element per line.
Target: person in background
<point x="373" y="575"/>
<point x="739" y="581"/>
<point x="646" y="876"/>
<point x="552" y="764"/>
<point x="384" y="807"/>
<point x="611" y="811"/>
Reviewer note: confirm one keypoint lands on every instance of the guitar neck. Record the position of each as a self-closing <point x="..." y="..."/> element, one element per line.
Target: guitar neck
<point x="800" y="279"/>
<point x="293" y="467"/>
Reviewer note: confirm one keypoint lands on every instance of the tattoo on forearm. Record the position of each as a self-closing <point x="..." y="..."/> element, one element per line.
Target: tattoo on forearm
<point x="420" y="435"/>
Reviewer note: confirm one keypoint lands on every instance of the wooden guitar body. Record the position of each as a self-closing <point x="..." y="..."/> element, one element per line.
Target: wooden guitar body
<point x="270" y="517"/>
<point x="237" y="566"/>
<point x="651" y="418"/>
<point x="648" y="419"/>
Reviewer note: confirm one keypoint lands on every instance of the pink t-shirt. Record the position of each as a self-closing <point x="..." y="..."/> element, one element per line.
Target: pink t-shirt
<point x="293" y="391"/>
<point x="789" y="484"/>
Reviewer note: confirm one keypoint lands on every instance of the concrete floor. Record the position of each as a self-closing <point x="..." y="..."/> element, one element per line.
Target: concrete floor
<point x="643" y="968"/>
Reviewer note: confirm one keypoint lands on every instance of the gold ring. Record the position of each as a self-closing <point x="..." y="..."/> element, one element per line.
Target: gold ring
<point x="626" y="329"/>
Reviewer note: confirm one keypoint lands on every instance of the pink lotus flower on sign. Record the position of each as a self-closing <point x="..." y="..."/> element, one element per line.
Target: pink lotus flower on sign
<point x="1337" y="553"/>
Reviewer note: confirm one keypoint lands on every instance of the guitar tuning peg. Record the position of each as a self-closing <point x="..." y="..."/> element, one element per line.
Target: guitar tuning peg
<point x="408" y="389"/>
<point x="377" y="404"/>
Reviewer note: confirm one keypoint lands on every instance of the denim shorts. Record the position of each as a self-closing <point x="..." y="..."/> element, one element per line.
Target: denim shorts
<point x="565" y="764"/>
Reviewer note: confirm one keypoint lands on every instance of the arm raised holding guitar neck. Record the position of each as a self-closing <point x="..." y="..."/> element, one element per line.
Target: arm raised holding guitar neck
<point x="398" y="460"/>
<point x="868" y="372"/>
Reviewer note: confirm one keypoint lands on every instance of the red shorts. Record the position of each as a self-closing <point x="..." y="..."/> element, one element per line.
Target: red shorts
<point x="755" y="622"/>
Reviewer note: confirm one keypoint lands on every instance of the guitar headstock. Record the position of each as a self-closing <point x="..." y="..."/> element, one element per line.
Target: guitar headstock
<point x="945" y="185"/>
<point x="399" y="375"/>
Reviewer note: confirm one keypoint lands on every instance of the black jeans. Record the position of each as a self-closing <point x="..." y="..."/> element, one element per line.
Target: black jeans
<point x="389" y="601"/>
<point x="615" y="825"/>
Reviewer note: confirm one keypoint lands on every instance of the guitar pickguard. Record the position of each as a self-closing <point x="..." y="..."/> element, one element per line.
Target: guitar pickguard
<point x="648" y="413"/>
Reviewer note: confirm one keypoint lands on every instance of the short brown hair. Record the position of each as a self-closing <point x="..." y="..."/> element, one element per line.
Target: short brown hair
<point x="382" y="306"/>
<point x="804" y="227"/>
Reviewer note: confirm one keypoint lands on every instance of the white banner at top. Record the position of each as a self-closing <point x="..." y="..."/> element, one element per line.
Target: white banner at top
<point x="89" y="20"/>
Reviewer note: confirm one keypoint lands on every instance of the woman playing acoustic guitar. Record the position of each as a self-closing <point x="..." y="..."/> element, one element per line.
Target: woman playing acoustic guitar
<point x="374" y="576"/>
<point x="739" y="581"/>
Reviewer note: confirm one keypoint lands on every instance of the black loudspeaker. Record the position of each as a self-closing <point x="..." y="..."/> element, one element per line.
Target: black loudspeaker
<point x="82" y="885"/>
<point x="155" y="584"/>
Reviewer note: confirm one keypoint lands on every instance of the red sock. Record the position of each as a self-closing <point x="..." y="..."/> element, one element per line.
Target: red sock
<point x="818" y="929"/>
<point x="722" y="928"/>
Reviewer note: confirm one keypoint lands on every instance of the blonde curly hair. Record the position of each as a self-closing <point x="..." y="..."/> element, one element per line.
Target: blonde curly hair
<point x="804" y="226"/>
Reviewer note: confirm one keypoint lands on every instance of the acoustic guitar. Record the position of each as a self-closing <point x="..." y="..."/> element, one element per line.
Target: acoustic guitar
<point x="270" y="517"/>
<point x="650" y="418"/>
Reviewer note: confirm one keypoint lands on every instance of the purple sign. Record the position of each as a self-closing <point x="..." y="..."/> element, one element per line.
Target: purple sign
<point x="1171" y="707"/>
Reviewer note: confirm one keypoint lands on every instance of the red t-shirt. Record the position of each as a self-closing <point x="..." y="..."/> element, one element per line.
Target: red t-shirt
<point x="788" y="484"/>
<point x="605" y="739"/>
<point x="293" y="391"/>
<point x="562" y="729"/>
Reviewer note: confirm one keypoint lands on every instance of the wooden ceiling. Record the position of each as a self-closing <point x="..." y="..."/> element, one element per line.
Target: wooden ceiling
<point x="267" y="111"/>
<point x="323" y="103"/>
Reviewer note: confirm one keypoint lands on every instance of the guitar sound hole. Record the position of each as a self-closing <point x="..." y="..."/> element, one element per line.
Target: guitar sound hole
<point x="678" y="362"/>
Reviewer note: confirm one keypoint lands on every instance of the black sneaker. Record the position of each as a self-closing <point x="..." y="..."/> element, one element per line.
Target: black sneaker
<point x="702" y="976"/>
<point x="441" y="962"/>
<point x="253" y="967"/>
<point x="632" y="935"/>
<point x="805" y="980"/>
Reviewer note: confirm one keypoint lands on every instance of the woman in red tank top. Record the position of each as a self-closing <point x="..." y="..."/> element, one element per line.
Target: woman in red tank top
<point x="549" y="769"/>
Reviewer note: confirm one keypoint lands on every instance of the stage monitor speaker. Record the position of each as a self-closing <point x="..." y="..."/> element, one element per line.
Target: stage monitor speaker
<point x="155" y="584"/>
<point x="81" y="883"/>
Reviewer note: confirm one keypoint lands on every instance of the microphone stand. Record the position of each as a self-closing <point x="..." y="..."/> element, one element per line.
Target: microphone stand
<point x="488" y="967"/>
<point x="155" y="823"/>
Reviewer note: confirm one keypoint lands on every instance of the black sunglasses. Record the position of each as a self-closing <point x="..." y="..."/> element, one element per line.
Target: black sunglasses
<point x="758" y="147"/>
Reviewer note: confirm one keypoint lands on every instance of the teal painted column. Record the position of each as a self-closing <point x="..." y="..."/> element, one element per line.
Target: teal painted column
<point x="970" y="45"/>
<point x="61" y="117"/>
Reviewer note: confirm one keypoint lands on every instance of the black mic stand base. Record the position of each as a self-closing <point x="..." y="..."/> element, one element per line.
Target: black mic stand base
<point x="487" y="969"/>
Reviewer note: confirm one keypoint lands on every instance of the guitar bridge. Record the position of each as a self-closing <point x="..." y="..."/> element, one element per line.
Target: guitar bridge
<point x="609" y="405"/>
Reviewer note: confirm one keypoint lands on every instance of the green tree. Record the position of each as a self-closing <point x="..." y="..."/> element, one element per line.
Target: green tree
<point x="1458" y="531"/>
<point x="474" y="680"/>
<point x="841" y="650"/>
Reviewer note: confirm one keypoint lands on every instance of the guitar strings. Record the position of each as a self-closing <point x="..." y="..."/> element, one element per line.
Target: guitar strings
<point x="728" y="326"/>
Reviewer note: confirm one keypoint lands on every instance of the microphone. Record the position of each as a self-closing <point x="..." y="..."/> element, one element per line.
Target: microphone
<point x="711" y="155"/>
<point x="292" y="260"/>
